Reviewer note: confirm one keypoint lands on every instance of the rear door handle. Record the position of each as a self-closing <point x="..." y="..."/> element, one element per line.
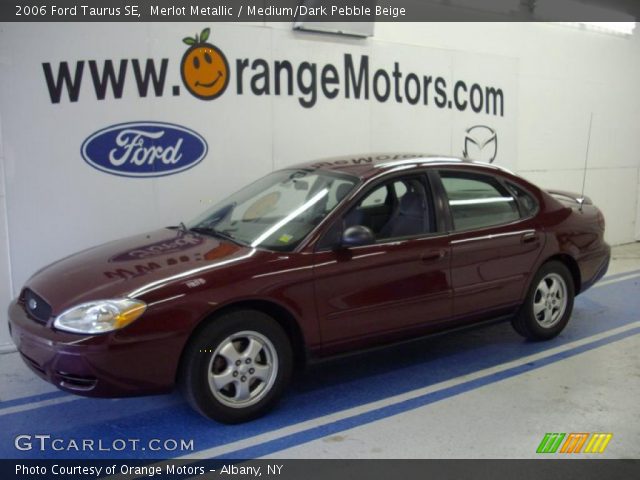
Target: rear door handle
<point x="433" y="256"/>
<point x="529" y="237"/>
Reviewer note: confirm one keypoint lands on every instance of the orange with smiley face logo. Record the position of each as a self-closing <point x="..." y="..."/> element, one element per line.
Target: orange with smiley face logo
<point x="204" y="68"/>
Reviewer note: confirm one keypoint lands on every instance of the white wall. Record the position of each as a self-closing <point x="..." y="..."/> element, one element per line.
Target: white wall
<point x="553" y="78"/>
<point x="6" y="291"/>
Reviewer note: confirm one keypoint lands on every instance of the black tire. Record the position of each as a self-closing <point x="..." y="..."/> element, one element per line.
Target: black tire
<point x="236" y="329"/>
<point x="533" y="325"/>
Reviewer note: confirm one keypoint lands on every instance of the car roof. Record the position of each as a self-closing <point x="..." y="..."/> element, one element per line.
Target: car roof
<point x="369" y="165"/>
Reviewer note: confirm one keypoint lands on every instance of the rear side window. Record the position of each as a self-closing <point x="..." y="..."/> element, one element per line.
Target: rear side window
<point x="528" y="204"/>
<point x="478" y="201"/>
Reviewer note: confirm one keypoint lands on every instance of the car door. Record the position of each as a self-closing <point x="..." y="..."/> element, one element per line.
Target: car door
<point x="399" y="281"/>
<point x="495" y="241"/>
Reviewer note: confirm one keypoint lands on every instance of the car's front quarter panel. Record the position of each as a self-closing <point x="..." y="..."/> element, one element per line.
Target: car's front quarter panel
<point x="130" y="361"/>
<point x="281" y="279"/>
<point x="143" y="357"/>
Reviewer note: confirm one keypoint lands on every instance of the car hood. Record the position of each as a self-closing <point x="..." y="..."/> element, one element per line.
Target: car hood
<point x="131" y="267"/>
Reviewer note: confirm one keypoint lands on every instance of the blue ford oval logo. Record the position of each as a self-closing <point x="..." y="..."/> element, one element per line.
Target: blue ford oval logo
<point x="144" y="149"/>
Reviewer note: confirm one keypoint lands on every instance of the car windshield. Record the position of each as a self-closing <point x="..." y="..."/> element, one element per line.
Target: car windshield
<point x="277" y="211"/>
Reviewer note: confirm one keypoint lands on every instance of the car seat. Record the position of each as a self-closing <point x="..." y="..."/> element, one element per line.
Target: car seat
<point x="410" y="216"/>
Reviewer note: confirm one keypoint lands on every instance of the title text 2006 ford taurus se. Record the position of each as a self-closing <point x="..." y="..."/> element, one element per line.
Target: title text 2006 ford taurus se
<point x="313" y="260"/>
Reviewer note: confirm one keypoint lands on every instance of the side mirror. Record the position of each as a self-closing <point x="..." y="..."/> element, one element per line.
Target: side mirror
<point x="356" y="236"/>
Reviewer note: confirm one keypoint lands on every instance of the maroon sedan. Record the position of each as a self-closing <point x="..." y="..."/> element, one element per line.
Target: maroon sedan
<point x="309" y="261"/>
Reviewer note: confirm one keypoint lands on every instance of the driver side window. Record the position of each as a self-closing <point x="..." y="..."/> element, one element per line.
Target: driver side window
<point x="379" y="196"/>
<point x="398" y="208"/>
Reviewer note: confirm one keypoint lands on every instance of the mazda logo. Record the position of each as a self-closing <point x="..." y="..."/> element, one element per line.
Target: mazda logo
<point x="480" y="144"/>
<point x="32" y="304"/>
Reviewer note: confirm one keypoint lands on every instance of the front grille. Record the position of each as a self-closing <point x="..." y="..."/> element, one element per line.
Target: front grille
<point x="36" y="306"/>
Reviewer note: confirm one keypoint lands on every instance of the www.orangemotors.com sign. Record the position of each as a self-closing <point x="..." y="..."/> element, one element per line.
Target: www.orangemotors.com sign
<point x="206" y="74"/>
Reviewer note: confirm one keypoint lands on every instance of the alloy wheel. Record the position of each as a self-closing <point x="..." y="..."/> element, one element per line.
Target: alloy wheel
<point x="243" y="369"/>
<point x="550" y="300"/>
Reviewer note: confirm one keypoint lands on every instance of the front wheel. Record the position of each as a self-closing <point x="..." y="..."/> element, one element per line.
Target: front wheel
<point x="548" y="305"/>
<point x="237" y="367"/>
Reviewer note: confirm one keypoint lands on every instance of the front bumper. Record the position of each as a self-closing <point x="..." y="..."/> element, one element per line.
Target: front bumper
<point x="107" y="365"/>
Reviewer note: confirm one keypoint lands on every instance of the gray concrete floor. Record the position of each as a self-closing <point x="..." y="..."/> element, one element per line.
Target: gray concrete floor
<point x="594" y="392"/>
<point x="625" y="258"/>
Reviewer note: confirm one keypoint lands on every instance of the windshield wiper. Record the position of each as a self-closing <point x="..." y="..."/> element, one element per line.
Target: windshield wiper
<point x="216" y="233"/>
<point x="181" y="226"/>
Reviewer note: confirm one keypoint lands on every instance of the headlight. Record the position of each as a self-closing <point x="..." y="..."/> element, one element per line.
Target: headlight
<point x="100" y="316"/>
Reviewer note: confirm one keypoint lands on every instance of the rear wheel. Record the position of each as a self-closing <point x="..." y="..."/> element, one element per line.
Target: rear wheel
<point x="548" y="305"/>
<point x="237" y="367"/>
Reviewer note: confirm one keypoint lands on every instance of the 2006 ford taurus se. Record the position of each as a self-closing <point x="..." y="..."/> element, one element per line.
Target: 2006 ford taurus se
<point x="310" y="261"/>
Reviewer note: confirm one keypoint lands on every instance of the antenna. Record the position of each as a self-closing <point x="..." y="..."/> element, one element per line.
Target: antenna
<point x="586" y="160"/>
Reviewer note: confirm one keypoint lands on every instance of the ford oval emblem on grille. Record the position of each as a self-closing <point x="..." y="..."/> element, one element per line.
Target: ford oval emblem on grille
<point x="32" y="304"/>
<point x="144" y="149"/>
